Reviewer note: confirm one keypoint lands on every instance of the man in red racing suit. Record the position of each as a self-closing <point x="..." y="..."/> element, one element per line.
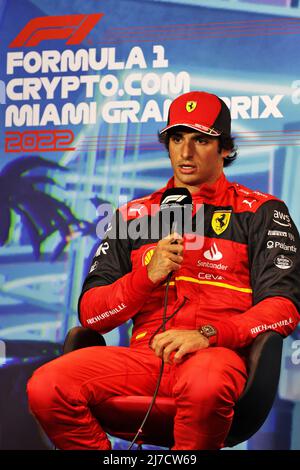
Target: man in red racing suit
<point x="239" y="282"/>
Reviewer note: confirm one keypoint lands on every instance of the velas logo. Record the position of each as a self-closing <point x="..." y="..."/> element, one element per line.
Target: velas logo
<point x="74" y="28"/>
<point x="190" y="106"/>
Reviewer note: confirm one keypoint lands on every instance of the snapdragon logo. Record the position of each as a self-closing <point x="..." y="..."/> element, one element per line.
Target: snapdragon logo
<point x="2" y="352"/>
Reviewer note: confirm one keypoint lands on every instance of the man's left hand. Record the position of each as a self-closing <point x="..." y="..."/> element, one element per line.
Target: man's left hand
<point x="181" y="341"/>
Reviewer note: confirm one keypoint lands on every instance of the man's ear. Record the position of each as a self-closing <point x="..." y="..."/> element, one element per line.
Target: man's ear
<point x="225" y="153"/>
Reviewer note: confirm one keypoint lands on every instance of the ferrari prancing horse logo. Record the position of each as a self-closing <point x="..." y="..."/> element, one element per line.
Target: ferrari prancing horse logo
<point x="220" y="221"/>
<point x="190" y="106"/>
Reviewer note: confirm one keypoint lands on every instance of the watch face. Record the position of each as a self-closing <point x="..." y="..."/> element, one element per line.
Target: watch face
<point x="208" y="330"/>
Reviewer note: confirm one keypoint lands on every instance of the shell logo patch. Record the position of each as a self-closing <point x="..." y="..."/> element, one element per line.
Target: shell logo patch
<point x="220" y="221"/>
<point x="141" y="335"/>
<point x="148" y="255"/>
<point x="190" y="106"/>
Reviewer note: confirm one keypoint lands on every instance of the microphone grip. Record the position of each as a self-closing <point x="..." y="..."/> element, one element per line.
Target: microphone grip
<point x="175" y="242"/>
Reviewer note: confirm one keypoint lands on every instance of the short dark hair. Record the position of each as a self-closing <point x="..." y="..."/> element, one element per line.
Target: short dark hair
<point x="226" y="142"/>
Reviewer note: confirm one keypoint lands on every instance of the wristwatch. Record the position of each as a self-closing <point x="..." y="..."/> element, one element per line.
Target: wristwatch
<point x="210" y="333"/>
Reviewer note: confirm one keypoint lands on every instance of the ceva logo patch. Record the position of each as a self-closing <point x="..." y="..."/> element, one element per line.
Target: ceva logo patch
<point x="73" y="28"/>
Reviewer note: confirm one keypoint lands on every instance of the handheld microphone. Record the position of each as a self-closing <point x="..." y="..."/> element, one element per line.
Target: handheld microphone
<point x="176" y="211"/>
<point x="175" y="215"/>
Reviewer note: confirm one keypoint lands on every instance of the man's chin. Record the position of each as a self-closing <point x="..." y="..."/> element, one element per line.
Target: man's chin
<point x="190" y="180"/>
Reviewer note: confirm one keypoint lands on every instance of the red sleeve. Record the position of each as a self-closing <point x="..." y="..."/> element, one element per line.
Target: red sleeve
<point x="273" y="313"/>
<point x="106" y="307"/>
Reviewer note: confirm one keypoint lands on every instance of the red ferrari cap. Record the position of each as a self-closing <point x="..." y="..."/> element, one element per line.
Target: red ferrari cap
<point x="201" y="111"/>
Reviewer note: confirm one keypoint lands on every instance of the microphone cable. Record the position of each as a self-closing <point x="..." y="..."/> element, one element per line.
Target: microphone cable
<point x="163" y="327"/>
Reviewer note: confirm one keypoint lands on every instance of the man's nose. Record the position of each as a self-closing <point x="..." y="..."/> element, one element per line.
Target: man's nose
<point x="187" y="149"/>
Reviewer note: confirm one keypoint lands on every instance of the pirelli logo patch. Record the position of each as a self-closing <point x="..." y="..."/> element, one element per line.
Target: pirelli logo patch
<point x="220" y="221"/>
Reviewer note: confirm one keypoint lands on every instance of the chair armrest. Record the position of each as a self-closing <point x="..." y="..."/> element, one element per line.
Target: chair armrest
<point x="264" y="363"/>
<point x="255" y="403"/>
<point x="79" y="337"/>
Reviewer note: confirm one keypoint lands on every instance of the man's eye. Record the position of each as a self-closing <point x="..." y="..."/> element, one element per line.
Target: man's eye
<point x="200" y="140"/>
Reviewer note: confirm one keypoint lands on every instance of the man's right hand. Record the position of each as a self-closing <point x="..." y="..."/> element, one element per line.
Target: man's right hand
<point x="167" y="257"/>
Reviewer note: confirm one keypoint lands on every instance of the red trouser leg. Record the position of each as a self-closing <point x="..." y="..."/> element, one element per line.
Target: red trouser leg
<point x="205" y="386"/>
<point x="61" y="392"/>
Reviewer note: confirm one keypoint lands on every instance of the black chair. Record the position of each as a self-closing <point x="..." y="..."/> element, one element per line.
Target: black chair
<point x="251" y="410"/>
<point x="18" y="429"/>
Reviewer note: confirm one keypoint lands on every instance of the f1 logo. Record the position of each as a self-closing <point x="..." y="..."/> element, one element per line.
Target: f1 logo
<point x="173" y="198"/>
<point x="72" y="27"/>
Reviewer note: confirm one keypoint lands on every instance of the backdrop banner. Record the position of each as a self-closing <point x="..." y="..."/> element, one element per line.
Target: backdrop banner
<point x="84" y="88"/>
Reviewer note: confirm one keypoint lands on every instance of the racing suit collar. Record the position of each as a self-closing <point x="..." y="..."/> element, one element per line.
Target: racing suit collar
<point x="206" y="191"/>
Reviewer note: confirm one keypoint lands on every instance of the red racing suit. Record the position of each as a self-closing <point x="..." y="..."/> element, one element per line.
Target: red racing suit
<point x="244" y="279"/>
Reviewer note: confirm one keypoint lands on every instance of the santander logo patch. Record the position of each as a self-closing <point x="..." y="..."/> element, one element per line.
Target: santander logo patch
<point x="213" y="253"/>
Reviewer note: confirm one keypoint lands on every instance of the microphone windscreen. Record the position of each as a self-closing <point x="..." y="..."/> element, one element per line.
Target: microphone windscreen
<point x="175" y="197"/>
<point x="176" y="211"/>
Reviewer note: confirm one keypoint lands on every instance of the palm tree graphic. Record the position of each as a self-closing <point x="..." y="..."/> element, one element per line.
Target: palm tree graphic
<point x="41" y="214"/>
